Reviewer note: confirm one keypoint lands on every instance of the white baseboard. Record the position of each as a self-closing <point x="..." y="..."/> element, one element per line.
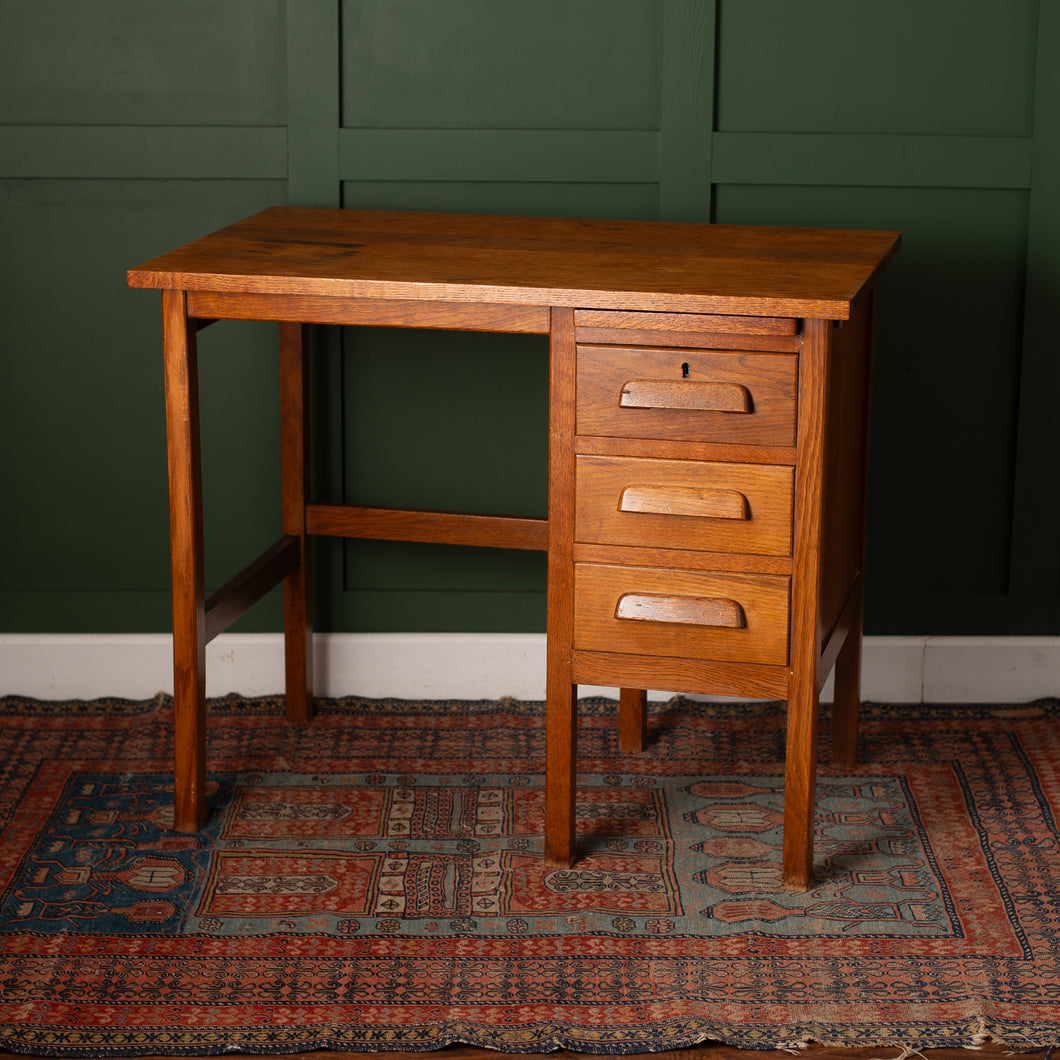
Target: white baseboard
<point x="484" y="666"/>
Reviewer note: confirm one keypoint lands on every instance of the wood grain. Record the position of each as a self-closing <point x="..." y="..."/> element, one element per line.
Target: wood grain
<point x="598" y="588"/>
<point x="713" y="340"/>
<point x="246" y="588"/>
<point x="393" y="313"/>
<point x="686" y="322"/>
<point x="632" y="720"/>
<point x="685" y="450"/>
<point x="685" y="500"/>
<point x="844" y="457"/>
<point x="294" y="476"/>
<point x="604" y="372"/>
<point x="700" y="676"/>
<point x="188" y="572"/>
<point x="561" y="722"/>
<point x="446" y="528"/>
<point x="847" y="686"/>
<point x="833" y="642"/>
<point x="705" y="506"/>
<point x="717" y="612"/>
<point x="681" y="394"/>
<point x="800" y="771"/>
<point x="681" y="559"/>
<point x="741" y="270"/>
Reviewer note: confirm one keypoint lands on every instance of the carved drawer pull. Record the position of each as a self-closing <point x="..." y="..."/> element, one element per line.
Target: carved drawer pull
<point x="685" y="500"/>
<point x="682" y="394"/>
<point x="685" y="610"/>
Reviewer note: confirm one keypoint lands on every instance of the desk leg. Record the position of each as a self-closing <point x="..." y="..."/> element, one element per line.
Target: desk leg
<point x="561" y="762"/>
<point x="561" y="722"/>
<point x="800" y="770"/>
<point x="632" y="720"/>
<point x="186" y="554"/>
<point x="294" y="463"/>
<point x="848" y="690"/>
<point x="848" y="662"/>
<point x="800" y="782"/>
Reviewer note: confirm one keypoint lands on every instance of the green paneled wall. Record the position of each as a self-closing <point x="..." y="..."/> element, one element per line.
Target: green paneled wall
<point x="128" y="127"/>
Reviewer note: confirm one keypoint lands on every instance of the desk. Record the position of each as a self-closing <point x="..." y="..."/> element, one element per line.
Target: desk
<point x="708" y="390"/>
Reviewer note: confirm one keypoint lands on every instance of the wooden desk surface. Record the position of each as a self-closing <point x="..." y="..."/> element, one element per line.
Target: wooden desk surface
<point x="632" y="265"/>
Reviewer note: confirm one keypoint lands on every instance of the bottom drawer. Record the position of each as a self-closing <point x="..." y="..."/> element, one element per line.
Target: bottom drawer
<point x="682" y="614"/>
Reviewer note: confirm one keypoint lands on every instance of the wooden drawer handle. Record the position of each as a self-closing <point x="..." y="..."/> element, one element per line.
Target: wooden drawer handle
<point x="685" y="610"/>
<point x="680" y="394"/>
<point x="685" y="500"/>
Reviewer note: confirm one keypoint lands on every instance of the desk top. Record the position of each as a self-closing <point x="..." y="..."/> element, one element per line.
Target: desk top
<point x="591" y="264"/>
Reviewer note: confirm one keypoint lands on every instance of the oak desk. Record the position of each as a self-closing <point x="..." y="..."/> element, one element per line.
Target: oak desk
<point x="708" y="391"/>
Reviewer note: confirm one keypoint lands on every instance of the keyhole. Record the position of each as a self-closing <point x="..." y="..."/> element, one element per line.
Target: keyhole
<point x="684" y="370"/>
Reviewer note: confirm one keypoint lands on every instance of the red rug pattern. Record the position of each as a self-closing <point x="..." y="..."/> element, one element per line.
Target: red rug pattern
<point x="375" y="881"/>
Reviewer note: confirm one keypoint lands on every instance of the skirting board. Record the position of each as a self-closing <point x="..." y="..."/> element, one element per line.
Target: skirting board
<point x="484" y="666"/>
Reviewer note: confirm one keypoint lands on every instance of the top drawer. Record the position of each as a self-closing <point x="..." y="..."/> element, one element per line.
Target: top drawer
<point x="688" y="395"/>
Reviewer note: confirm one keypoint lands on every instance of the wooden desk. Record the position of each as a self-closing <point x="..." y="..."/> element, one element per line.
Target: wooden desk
<point x="707" y="440"/>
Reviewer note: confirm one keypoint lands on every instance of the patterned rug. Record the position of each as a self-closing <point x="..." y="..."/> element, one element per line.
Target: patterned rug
<point x="375" y="881"/>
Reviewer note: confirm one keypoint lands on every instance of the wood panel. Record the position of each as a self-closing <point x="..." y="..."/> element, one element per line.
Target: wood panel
<point x="446" y="528"/>
<point x="129" y="157"/>
<point x="396" y="313"/>
<point x="681" y="322"/>
<point x="847" y="409"/>
<point x="1034" y="585"/>
<point x="947" y="95"/>
<point x="124" y="62"/>
<point x="683" y="675"/>
<point x="477" y="64"/>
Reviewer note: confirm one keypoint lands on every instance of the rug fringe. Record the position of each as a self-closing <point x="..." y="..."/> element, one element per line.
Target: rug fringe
<point x="905" y="1054"/>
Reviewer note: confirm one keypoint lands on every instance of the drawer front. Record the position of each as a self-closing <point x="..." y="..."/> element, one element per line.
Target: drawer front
<point x="681" y="614"/>
<point x="684" y="504"/>
<point x="688" y="395"/>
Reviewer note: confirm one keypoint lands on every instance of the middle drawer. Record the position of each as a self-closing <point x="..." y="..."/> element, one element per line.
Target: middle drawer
<point x="684" y="504"/>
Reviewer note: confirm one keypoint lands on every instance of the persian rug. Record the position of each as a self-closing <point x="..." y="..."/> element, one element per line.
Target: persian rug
<point x="374" y="881"/>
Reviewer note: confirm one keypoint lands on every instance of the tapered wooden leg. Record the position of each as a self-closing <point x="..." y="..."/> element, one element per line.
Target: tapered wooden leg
<point x="632" y="720"/>
<point x="186" y="555"/>
<point x="561" y="745"/>
<point x="848" y="690"/>
<point x="294" y="463"/>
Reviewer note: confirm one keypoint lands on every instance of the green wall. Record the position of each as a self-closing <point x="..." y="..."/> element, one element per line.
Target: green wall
<point x="128" y="127"/>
